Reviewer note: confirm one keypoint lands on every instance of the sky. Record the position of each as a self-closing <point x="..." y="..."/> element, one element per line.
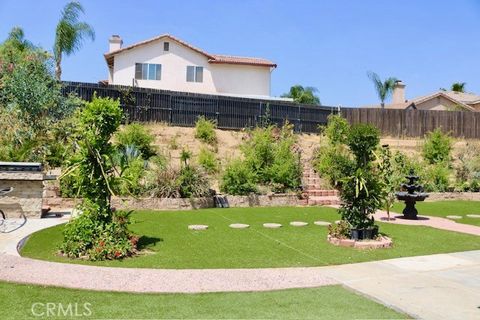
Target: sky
<point x="329" y="45"/>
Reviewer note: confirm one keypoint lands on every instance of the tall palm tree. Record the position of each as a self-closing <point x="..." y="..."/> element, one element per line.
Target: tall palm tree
<point x="70" y="34"/>
<point x="384" y="89"/>
<point x="458" y="87"/>
<point x="17" y="38"/>
<point x="302" y="94"/>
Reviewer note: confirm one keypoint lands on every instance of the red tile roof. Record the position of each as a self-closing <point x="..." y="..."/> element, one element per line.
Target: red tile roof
<point x="212" y="58"/>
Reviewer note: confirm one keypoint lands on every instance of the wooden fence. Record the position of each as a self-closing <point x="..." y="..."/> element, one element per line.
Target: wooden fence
<point x="183" y="109"/>
<point x="416" y="123"/>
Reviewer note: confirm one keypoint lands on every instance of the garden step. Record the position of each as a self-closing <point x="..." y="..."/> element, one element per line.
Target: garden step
<point x="321" y="193"/>
<point x="323" y="200"/>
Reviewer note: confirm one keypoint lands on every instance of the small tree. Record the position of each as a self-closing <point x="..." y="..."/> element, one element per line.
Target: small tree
<point x="361" y="190"/>
<point x="97" y="233"/>
<point x="305" y="95"/>
<point x="70" y="34"/>
<point x="388" y="177"/>
<point x="384" y="89"/>
<point x="458" y="86"/>
<point x="437" y="147"/>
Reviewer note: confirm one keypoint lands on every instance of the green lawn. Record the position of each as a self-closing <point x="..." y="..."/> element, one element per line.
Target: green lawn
<point x="172" y="245"/>
<point x="332" y="302"/>
<point x="447" y="208"/>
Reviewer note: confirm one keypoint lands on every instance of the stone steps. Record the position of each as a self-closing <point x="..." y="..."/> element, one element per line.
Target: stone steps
<point x="313" y="190"/>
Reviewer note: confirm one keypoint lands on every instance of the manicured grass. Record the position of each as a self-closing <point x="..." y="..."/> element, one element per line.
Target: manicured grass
<point x="447" y="208"/>
<point x="332" y="302"/>
<point x="172" y="245"/>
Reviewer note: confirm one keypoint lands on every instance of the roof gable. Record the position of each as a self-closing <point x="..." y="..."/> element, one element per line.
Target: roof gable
<point x="212" y="58"/>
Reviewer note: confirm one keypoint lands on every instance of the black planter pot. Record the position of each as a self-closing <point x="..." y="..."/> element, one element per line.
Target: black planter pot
<point x="364" y="233"/>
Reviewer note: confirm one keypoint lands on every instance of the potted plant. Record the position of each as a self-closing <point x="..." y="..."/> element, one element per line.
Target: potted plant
<point x="361" y="189"/>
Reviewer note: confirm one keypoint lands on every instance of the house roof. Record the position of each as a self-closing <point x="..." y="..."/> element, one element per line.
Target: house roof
<point x="449" y="95"/>
<point x="212" y="58"/>
<point x="465" y="97"/>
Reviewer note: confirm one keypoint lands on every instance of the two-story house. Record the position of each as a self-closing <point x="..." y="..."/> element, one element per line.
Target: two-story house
<point x="166" y="62"/>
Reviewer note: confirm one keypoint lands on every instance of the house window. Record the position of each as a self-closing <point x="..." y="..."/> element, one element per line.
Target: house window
<point x="148" y="71"/>
<point x="194" y="74"/>
<point x="166" y="46"/>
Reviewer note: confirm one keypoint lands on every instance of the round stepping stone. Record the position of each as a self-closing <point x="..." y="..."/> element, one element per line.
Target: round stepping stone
<point x="197" y="227"/>
<point x="322" y="223"/>
<point x="454" y="217"/>
<point x="239" y="226"/>
<point x="298" y="224"/>
<point x="473" y="215"/>
<point x="272" y="225"/>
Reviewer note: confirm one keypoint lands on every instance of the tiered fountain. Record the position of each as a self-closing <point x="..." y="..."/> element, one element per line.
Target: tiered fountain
<point x="412" y="193"/>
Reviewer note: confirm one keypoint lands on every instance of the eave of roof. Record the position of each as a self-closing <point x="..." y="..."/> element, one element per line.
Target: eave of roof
<point x="212" y="58"/>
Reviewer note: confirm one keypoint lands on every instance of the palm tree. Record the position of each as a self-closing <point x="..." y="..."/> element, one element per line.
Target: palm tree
<point x="384" y="89"/>
<point x="17" y="38"/>
<point x="70" y="34"/>
<point x="458" y="87"/>
<point x="305" y="95"/>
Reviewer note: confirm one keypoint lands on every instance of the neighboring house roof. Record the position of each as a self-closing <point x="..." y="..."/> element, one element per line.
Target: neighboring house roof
<point x="212" y="58"/>
<point x="468" y="98"/>
<point x="452" y="96"/>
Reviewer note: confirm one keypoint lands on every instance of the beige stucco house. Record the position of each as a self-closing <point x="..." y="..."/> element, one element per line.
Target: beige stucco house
<point x="439" y="100"/>
<point x="166" y="62"/>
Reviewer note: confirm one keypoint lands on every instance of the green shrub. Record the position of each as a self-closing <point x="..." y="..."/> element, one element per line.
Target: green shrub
<point x="138" y="136"/>
<point x="333" y="163"/>
<point x="258" y="151"/>
<point x="205" y="130"/>
<point x="437" y="178"/>
<point x="437" y="147"/>
<point x="337" y="129"/>
<point x="285" y="172"/>
<point x="192" y="183"/>
<point x="238" y="179"/>
<point x="208" y="161"/>
<point x="163" y="183"/>
<point x="362" y="190"/>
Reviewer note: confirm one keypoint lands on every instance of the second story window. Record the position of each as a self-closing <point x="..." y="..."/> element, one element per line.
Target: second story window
<point x="166" y="46"/>
<point x="194" y="74"/>
<point x="148" y="71"/>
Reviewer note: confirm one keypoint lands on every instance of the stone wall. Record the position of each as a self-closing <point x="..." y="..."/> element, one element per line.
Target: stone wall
<point x="63" y="204"/>
<point x="26" y="196"/>
<point x="439" y="196"/>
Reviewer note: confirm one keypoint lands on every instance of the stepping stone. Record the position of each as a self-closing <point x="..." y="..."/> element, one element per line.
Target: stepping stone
<point x="197" y="227"/>
<point x="454" y="217"/>
<point x="322" y="223"/>
<point x="272" y="225"/>
<point x="298" y="224"/>
<point x="239" y="226"/>
<point x="473" y="215"/>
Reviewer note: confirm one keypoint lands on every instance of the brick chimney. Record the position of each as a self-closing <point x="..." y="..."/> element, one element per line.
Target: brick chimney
<point x="398" y="95"/>
<point x="115" y="43"/>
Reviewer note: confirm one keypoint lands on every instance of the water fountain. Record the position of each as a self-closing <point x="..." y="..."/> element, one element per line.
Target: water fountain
<point x="414" y="192"/>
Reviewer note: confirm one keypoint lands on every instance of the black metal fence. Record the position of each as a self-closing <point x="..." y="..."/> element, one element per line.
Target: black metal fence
<point x="183" y="108"/>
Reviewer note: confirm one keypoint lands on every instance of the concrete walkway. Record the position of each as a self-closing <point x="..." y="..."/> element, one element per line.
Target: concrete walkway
<point x="442" y="286"/>
<point x="429" y="221"/>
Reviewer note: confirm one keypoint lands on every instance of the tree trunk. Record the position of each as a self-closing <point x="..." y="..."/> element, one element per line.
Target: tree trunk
<point x="58" y="67"/>
<point x="383" y="105"/>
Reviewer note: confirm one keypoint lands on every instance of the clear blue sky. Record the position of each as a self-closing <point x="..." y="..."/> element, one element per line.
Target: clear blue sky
<point x="326" y="44"/>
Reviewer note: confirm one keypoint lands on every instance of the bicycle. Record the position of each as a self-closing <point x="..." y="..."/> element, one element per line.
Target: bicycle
<point x="9" y="225"/>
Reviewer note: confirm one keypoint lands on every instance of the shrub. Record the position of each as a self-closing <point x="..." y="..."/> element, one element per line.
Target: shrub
<point x="205" y="130"/>
<point x="192" y="183"/>
<point x="333" y="163"/>
<point x="93" y="173"/>
<point x="361" y="190"/>
<point x="162" y="183"/>
<point x="340" y="230"/>
<point x="437" y="178"/>
<point x="286" y="170"/>
<point x="337" y="129"/>
<point x="258" y="151"/>
<point x="437" y="147"/>
<point x="238" y="179"/>
<point x="208" y="161"/>
<point x="138" y="136"/>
